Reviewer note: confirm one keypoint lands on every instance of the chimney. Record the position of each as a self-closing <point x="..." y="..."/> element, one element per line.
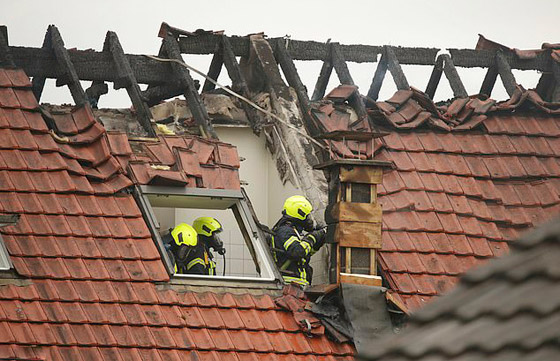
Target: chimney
<point x="353" y="216"/>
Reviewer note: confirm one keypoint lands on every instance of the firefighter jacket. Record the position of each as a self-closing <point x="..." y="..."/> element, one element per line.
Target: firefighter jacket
<point x="197" y="262"/>
<point x="292" y="252"/>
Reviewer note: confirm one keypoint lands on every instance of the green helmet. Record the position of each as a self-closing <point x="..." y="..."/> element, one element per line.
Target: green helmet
<point x="297" y="207"/>
<point x="206" y="226"/>
<point x="184" y="234"/>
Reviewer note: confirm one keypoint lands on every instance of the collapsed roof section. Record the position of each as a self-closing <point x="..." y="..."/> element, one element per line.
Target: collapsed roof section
<point x="462" y="169"/>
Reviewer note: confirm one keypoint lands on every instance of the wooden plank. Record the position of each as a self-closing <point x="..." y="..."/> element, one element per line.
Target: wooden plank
<point x="452" y="75"/>
<point x="196" y="106"/>
<point x="125" y="78"/>
<point x="435" y="78"/>
<point x="352" y="211"/>
<point x="357" y="279"/>
<point x="508" y="79"/>
<point x="322" y="289"/>
<point x="395" y="69"/>
<point x="372" y="262"/>
<point x="361" y="174"/>
<point x="348" y="257"/>
<point x="347" y="192"/>
<point x="373" y="193"/>
<point x="358" y="234"/>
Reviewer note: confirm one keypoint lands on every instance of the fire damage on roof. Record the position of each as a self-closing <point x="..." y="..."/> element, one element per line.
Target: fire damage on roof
<point x="458" y="182"/>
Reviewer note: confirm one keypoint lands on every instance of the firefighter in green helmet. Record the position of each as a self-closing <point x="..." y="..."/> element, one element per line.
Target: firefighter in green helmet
<point x="295" y="240"/>
<point x="186" y="253"/>
<point x="208" y="230"/>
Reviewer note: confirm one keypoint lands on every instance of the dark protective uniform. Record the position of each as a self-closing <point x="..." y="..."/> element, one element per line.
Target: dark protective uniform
<point x="197" y="262"/>
<point x="292" y="251"/>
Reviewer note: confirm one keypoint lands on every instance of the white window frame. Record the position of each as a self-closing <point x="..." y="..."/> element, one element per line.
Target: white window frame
<point x="4" y="254"/>
<point x="171" y="197"/>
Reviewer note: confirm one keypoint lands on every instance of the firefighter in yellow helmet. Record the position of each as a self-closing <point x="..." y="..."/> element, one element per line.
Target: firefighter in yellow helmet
<point x="185" y="251"/>
<point x="295" y="240"/>
<point x="208" y="230"/>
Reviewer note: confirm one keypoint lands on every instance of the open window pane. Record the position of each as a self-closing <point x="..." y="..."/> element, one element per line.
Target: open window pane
<point x="4" y="258"/>
<point x="246" y="255"/>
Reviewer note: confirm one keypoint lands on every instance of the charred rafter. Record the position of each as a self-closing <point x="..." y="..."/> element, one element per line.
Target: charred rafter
<point x="238" y="80"/>
<point x="323" y="80"/>
<point x="341" y="68"/>
<point x="389" y="62"/>
<point x="67" y="75"/>
<point x="125" y="79"/>
<point x="6" y="58"/>
<point x="196" y="105"/>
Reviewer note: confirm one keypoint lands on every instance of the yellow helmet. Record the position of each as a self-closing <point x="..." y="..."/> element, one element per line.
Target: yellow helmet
<point x="297" y="207"/>
<point x="184" y="234"/>
<point x="206" y="226"/>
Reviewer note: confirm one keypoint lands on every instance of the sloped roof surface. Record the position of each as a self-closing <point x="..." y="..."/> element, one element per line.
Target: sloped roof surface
<point x="454" y="198"/>
<point x="506" y="310"/>
<point x="88" y="260"/>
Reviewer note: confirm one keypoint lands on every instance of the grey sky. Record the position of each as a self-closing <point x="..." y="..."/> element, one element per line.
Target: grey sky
<point x="435" y="23"/>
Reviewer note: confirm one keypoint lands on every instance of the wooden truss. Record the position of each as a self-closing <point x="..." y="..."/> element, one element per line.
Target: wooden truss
<point x="169" y="79"/>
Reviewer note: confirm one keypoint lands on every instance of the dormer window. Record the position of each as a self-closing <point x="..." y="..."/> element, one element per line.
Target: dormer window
<point x="246" y="258"/>
<point x="5" y="262"/>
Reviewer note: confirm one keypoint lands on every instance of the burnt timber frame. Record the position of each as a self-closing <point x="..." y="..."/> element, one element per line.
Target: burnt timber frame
<point x="54" y="61"/>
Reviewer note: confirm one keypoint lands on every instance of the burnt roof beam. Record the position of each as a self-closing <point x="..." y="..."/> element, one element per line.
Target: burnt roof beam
<point x="435" y="78"/>
<point x="126" y="79"/>
<point x="344" y="76"/>
<point x="314" y="50"/>
<point x="378" y="78"/>
<point x="67" y="75"/>
<point x="38" y="82"/>
<point x="508" y="79"/>
<point x="238" y="82"/>
<point x="453" y="77"/>
<point x="489" y="81"/>
<point x="288" y="67"/>
<point x="6" y="58"/>
<point x="395" y="68"/>
<point x="215" y="69"/>
<point x="190" y="92"/>
<point x="555" y="96"/>
<point x="323" y="79"/>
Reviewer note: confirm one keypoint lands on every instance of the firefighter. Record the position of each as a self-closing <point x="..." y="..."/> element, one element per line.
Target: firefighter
<point x="208" y="230"/>
<point x="185" y="251"/>
<point x="291" y="247"/>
